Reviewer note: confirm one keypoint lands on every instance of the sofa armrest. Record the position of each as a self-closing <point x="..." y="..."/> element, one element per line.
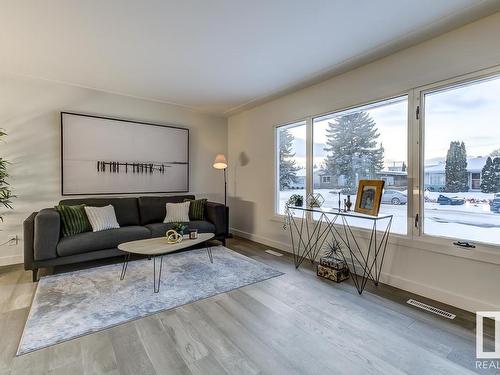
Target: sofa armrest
<point x="28" y="240"/>
<point x="47" y="233"/>
<point x="216" y="214"/>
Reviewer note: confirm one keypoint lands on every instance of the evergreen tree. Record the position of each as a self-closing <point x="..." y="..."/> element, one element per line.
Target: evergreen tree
<point x="496" y="169"/>
<point x="288" y="169"/>
<point x="495" y="153"/>
<point x="352" y="149"/>
<point x="456" y="168"/>
<point x="488" y="177"/>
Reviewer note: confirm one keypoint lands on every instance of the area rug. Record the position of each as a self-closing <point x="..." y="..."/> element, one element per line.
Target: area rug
<point x="77" y="303"/>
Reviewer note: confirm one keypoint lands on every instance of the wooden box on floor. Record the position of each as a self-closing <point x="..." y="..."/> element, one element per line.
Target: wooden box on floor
<point x="333" y="274"/>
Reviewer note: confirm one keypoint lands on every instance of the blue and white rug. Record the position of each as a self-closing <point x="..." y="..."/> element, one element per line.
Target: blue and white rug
<point x="77" y="303"/>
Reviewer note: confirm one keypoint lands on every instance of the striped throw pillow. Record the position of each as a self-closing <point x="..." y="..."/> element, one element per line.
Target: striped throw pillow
<point x="73" y="219"/>
<point x="102" y="218"/>
<point x="177" y="212"/>
<point x="197" y="208"/>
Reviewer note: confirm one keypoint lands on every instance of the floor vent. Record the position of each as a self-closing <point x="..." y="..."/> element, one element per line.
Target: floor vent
<point x="432" y="309"/>
<point x="275" y="253"/>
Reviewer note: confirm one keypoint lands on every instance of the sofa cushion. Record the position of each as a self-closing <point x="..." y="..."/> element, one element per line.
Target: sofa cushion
<point x="159" y="229"/>
<point x="177" y="213"/>
<point x="73" y="219"/>
<point x="153" y="209"/>
<point x="126" y="210"/>
<point x="102" y="218"/>
<point x="197" y="208"/>
<point x="106" y="239"/>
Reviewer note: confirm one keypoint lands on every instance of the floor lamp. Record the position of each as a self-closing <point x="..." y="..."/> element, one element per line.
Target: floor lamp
<point x="220" y="162"/>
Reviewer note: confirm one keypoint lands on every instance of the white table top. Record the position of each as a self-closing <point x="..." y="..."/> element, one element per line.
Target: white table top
<point x="156" y="246"/>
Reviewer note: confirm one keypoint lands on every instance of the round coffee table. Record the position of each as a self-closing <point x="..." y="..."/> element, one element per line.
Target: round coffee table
<point x="158" y="247"/>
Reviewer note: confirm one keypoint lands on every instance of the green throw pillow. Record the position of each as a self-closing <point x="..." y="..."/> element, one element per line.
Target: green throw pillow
<point x="196" y="208"/>
<point x="73" y="219"/>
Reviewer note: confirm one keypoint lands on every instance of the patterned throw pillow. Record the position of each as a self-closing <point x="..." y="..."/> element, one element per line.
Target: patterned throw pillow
<point x="197" y="208"/>
<point x="102" y="218"/>
<point x="177" y="212"/>
<point x="73" y="219"/>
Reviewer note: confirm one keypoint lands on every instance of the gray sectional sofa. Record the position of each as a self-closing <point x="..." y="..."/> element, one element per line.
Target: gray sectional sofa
<point x="139" y="218"/>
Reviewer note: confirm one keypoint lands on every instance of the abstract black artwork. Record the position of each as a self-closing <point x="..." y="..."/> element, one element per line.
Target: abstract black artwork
<point x="114" y="167"/>
<point x="102" y="155"/>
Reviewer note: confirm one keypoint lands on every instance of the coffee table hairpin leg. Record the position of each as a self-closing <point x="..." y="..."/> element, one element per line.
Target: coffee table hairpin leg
<point x="156" y="288"/>
<point x="124" y="266"/>
<point x="209" y="252"/>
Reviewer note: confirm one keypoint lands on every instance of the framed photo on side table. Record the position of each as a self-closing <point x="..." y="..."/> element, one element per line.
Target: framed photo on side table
<point x="369" y="196"/>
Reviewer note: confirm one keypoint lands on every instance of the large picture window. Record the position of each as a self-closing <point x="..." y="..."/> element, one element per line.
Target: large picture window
<point x="367" y="142"/>
<point x="461" y="167"/>
<point x="291" y="163"/>
<point x="454" y="166"/>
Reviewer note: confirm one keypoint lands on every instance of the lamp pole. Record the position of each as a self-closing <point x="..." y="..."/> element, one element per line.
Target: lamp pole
<point x="220" y="162"/>
<point x="226" y="208"/>
<point x="225" y="188"/>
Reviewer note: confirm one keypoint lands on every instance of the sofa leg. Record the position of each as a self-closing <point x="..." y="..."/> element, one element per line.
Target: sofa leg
<point x="224" y="241"/>
<point x="35" y="275"/>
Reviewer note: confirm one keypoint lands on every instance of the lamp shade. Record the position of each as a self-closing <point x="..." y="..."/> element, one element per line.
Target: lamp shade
<point x="220" y="162"/>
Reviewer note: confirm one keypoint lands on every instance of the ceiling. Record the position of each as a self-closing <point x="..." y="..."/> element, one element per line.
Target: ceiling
<point x="216" y="56"/>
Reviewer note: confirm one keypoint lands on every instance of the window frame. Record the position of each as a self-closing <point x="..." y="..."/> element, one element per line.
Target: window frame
<point x="477" y="179"/>
<point x="276" y="129"/>
<point x="364" y="232"/>
<point x="414" y="238"/>
<point x="420" y="92"/>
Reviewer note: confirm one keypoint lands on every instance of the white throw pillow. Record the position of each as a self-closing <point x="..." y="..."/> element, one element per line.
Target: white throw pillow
<point x="102" y="218"/>
<point x="177" y="212"/>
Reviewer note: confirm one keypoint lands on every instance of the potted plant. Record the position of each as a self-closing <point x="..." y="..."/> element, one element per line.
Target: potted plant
<point x="296" y="200"/>
<point x="333" y="256"/>
<point x="333" y="249"/>
<point x="332" y="265"/>
<point x="179" y="228"/>
<point x="5" y="190"/>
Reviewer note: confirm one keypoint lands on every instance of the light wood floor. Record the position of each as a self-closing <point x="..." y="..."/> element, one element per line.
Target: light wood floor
<point x="293" y="324"/>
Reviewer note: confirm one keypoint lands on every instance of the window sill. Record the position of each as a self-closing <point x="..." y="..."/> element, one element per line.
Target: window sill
<point x="444" y="246"/>
<point x="482" y="253"/>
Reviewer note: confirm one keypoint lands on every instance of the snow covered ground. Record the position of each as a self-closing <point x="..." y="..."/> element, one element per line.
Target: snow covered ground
<point x="472" y="221"/>
<point x="470" y="196"/>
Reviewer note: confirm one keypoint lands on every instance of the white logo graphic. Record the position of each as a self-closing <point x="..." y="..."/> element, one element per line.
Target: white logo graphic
<point x="495" y="315"/>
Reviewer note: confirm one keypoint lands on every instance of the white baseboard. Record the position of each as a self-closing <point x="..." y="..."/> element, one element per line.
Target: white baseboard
<point x="458" y="300"/>
<point x="454" y="299"/>
<point x="11" y="259"/>
<point x="263" y="240"/>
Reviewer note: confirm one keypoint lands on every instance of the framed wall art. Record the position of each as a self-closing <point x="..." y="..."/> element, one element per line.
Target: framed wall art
<point x="101" y="155"/>
<point x="369" y="196"/>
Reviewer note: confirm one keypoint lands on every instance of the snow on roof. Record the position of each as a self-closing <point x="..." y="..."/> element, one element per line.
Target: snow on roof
<point x="392" y="173"/>
<point x="439" y="168"/>
<point x="474" y="164"/>
<point x="302" y="172"/>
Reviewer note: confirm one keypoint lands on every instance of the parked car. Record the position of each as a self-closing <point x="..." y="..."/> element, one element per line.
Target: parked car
<point x="453" y="201"/>
<point x="439" y="188"/>
<point x="393" y="197"/>
<point x="495" y="203"/>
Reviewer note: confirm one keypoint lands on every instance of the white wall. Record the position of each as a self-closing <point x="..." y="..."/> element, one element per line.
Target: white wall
<point x="30" y="114"/>
<point x="462" y="282"/>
